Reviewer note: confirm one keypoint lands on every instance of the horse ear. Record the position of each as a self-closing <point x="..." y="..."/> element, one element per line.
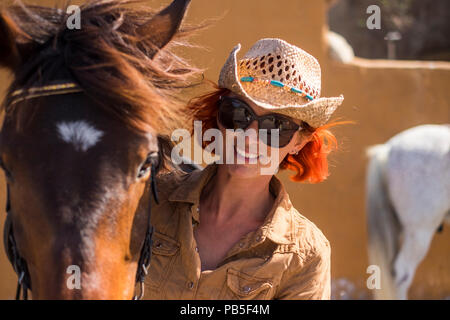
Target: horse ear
<point x="9" y="51"/>
<point x="165" y="24"/>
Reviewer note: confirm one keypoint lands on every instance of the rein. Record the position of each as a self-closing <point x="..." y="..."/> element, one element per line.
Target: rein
<point x="18" y="262"/>
<point x="146" y="251"/>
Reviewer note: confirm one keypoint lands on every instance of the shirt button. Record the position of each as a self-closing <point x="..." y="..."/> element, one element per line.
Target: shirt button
<point x="246" y="289"/>
<point x="241" y="245"/>
<point x="198" y="209"/>
<point x="159" y="245"/>
<point x="196" y="249"/>
<point x="190" y="285"/>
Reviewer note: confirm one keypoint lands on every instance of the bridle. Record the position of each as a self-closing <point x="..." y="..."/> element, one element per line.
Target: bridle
<point x="18" y="262"/>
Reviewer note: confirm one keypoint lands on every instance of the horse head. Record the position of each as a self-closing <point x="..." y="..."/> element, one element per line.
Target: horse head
<point x="81" y="141"/>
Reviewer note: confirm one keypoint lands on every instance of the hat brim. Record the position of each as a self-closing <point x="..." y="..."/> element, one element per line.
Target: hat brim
<point x="316" y="112"/>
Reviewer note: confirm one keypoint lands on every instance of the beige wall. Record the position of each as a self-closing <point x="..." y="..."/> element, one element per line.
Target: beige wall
<point x="383" y="98"/>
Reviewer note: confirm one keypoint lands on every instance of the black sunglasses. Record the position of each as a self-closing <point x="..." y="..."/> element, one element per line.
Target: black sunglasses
<point x="236" y="114"/>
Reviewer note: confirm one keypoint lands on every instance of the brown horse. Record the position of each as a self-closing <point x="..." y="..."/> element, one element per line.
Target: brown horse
<point x="81" y="140"/>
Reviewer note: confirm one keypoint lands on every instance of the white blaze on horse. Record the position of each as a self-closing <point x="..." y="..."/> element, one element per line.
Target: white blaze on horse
<point x="408" y="199"/>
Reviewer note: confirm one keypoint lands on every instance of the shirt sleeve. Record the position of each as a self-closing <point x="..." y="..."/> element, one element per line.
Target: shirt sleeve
<point x="310" y="280"/>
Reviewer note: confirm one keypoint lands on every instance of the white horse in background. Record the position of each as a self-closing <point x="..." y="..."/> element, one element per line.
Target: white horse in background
<point x="408" y="199"/>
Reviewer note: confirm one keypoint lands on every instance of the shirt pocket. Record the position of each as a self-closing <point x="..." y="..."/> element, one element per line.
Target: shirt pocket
<point x="164" y="250"/>
<point x="242" y="286"/>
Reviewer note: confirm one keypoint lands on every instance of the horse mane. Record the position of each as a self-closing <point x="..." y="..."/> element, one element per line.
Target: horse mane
<point x="126" y="75"/>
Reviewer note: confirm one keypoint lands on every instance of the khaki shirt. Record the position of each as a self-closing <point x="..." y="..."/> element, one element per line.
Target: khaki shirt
<point x="288" y="257"/>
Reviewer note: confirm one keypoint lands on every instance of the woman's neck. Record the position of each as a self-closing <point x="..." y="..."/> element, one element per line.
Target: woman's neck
<point x="226" y="197"/>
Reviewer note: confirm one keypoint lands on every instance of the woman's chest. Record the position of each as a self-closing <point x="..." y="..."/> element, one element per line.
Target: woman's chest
<point x="248" y="267"/>
<point x="245" y="274"/>
<point x="214" y="243"/>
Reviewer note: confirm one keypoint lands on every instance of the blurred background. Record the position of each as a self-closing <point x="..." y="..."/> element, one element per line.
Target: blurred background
<point x="383" y="96"/>
<point x="423" y="27"/>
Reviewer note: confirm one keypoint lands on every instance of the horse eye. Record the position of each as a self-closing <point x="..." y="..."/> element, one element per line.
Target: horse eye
<point x="152" y="160"/>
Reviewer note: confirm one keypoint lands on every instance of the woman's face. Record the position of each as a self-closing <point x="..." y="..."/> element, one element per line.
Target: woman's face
<point x="253" y="157"/>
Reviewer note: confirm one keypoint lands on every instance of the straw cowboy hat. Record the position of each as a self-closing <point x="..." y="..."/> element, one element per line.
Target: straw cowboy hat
<point x="282" y="78"/>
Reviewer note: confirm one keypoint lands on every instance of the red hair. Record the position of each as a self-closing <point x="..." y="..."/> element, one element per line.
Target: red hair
<point x="310" y="164"/>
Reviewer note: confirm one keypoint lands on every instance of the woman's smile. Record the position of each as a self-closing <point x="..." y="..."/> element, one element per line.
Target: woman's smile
<point x="245" y="155"/>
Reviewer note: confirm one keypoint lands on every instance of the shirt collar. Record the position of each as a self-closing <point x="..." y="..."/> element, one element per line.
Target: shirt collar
<point x="278" y="224"/>
<point x="190" y="188"/>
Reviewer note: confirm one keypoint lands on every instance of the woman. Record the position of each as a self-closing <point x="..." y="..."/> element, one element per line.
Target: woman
<point x="230" y="231"/>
